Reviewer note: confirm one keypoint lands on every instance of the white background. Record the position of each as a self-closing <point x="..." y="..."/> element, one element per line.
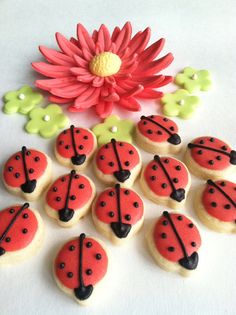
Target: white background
<point x="200" y="34"/>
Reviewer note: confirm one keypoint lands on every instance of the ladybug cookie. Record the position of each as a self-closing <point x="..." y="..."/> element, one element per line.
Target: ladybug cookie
<point x="118" y="213"/>
<point x="75" y="147"/>
<point x="21" y="233"/>
<point x="158" y="134"/>
<point x="166" y="181"/>
<point x="215" y="204"/>
<point x="118" y="161"/>
<point x="69" y="198"/>
<point x="79" y="266"/>
<point x="173" y="242"/>
<point x="27" y="173"/>
<point x="208" y="157"/>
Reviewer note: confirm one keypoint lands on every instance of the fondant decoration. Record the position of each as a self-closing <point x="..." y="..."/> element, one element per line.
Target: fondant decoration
<point x="69" y="198"/>
<point x="75" y="147"/>
<point x="158" y="134"/>
<point x="118" y="213"/>
<point x="46" y="121"/>
<point x="21" y="101"/>
<point x="174" y="241"/>
<point x="166" y="181"/>
<point x="79" y="266"/>
<point x="194" y="80"/>
<point x="118" y="161"/>
<point x="215" y="205"/>
<point x="114" y="127"/>
<point x="210" y="157"/>
<point x="21" y="233"/>
<point x="180" y="103"/>
<point x="27" y="173"/>
<point x="102" y="70"/>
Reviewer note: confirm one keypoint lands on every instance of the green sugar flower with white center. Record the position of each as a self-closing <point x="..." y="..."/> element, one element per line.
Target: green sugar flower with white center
<point x="21" y="101"/>
<point x="114" y="128"/>
<point x="46" y="121"/>
<point x="180" y="103"/>
<point x="194" y="80"/>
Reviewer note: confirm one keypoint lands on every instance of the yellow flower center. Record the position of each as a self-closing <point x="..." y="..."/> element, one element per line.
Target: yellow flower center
<point x="105" y="64"/>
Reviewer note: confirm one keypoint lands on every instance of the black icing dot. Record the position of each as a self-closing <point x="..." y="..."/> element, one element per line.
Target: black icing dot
<point x="61" y="265"/>
<point x="8" y="239"/>
<point x="54" y="189"/>
<point x="211" y="162"/>
<point x="67" y="147"/>
<point x="73" y="197"/>
<point x="121" y="144"/>
<point x="31" y="170"/>
<point x="222" y="184"/>
<point x="175" y="180"/>
<point x="111" y="193"/>
<point x="214" y="204"/>
<point x="201" y="141"/>
<point x="102" y="157"/>
<point x="17" y="157"/>
<point x="24" y="231"/>
<point x="10" y="168"/>
<point x="106" y="146"/>
<point x="111" y="214"/>
<point x="81" y="147"/>
<point x="163" y="235"/>
<point x="89" y="244"/>
<point x="17" y="175"/>
<point x="11" y="210"/>
<point x="64" y="132"/>
<point x="98" y="256"/>
<point x="164" y="185"/>
<point x="126" y="163"/>
<point x="76" y="176"/>
<point x="224" y="147"/>
<point x="127" y="217"/>
<point x="166" y="161"/>
<point x="171" y="249"/>
<point x="61" y="142"/>
<point x="136" y="204"/>
<point x="58" y="198"/>
<point x="199" y="152"/>
<point x="81" y="186"/>
<point x="131" y="152"/>
<point x="149" y="131"/>
<point x="111" y="164"/>
<point x="37" y="158"/>
<point x="165" y="222"/>
<point x="190" y="225"/>
<point x="77" y="131"/>
<point x="25" y="216"/>
<point x="219" y="158"/>
<point x="102" y="203"/>
<point x="172" y="128"/>
<point x="71" y="248"/>
<point x="89" y="272"/>
<point x="145" y="122"/>
<point x="165" y="119"/>
<point x="211" y="190"/>
<point x="227" y="206"/>
<point x="193" y="244"/>
<point x="154" y="167"/>
<point x="212" y="139"/>
<point x="153" y="177"/>
<point x="180" y="218"/>
<point x="152" y="116"/>
<point x="127" y="192"/>
<point x="63" y="179"/>
<point x="159" y="132"/>
<point x="70" y="274"/>
<point x="178" y="168"/>
<point x="85" y="137"/>
<point x="28" y="153"/>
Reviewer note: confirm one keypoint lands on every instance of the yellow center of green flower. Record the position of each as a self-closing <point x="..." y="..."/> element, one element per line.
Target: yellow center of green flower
<point x="105" y="64"/>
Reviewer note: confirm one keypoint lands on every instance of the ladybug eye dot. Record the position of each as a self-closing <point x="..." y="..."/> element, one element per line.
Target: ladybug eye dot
<point x="193" y="244"/>
<point x="64" y="132"/>
<point x="71" y="248"/>
<point x="171" y="249"/>
<point x="76" y="176"/>
<point x="172" y="128"/>
<point x="224" y="148"/>
<point x="121" y="144"/>
<point x="61" y="142"/>
<point x="62" y="265"/>
<point x="31" y="170"/>
<point x="106" y="146"/>
<point x="89" y="244"/>
<point x="98" y="256"/>
<point x="54" y="189"/>
<point x="63" y="179"/>
<point x="144" y="123"/>
<point x="111" y="164"/>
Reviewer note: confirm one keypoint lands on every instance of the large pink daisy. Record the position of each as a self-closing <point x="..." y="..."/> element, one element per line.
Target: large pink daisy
<point x="102" y="70"/>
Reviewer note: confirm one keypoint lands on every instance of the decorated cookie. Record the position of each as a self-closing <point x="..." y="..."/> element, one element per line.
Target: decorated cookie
<point x="215" y="205"/>
<point x="114" y="127"/>
<point x="158" y="134"/>
<point x="118" y="161"/>
<point x="166" y="181"/>
<point x="118" y="213"/>
<point x="209" y="157"/>
<point x="21" y="233"/>
<point x="173" y="242"/>
<point x="75" y="146"/>
<point x="27" y="173"/>
<point x="69" y="198"/>
<point x="79" y="266"/>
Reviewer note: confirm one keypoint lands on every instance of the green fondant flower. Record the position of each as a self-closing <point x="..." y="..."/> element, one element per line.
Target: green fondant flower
<point x="180" y="103"/>
<point x="114" y="127"/>
<point x="194" y="80"/>
<point x="46" y="121"/>
<point x="21" y="101"/>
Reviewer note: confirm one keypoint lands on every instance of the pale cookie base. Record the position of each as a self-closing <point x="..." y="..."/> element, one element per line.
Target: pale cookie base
<point x="78" y="214"/>
<point x="161" y="261"/>
<point x="106" y="230"/>
<point x="12" y="258"/>
<point x="42" y="184"/>
<point x="67" y="162"/>
<point x="203" y="172"/>
<point x="210" y="221"/>
<point x="70" y="292"/>
<point x="156" y="147"/>
<point x="165" y="201"/>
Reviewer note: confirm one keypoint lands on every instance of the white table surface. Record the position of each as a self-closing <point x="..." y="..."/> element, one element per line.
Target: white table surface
<point x="200" y="34"/>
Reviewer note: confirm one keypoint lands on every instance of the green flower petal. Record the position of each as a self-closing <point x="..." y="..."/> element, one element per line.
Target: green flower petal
<point x="192" y="101"/>
<point x="99" y="129"/>
<point x="204" y="74"/>
<point x="60" y="120"/>
<point x="189" y="71"/>
<point x="26" y="89"/>
<point x="168" y="98"/>
<point x="11" y="107"/>
<point x="171" y="109"/>
<point x="48" y="130"/>
<point x="186" y="112"/>
<point x="37" y="113"/>
<point x="11" y="95"/>
<point x="205" y="84"/>
<point x="32" y="127"/>
<point x="192" y="86"/>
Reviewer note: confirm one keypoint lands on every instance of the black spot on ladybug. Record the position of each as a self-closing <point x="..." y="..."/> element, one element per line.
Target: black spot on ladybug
<point x="89" y="244"/>
<point x="10" y="168"/>
<point x="67" y="147"/>
<point x="164" y="185"/>
<point x="102" y="157"/>
<point x="77" y="131"/>
<point x="111" y="164"/>
<point x="180" y="218"/>
<point x="175" y="180"/>
<point x="199" y="152"/>
<point x="211" y="190"/>
<point x="63" y="179"/>
<point x="149" y="131"/>
<point x="127" y="163"/>
<point x="24" y="231"/>
<point x="111" y="193"/>
<point x="58" y="198"/>
<point x="89" y="272"/>
<point x="111" y="214"/>
<point x="127" y="217"/>
<point x="121" y="144"/>
<point x="171" y="249"/>
<point x="106" y="146"/>
<point x="31" y="170"/>
<point x="61" y="265"/>
<point x="178" y="168"/>
<point x="81" y="186"/>
<point x="212" y="139"/>
<point x="73" y="197"/>
<point x="70" y="274"/>
<point x="65" y="132"/>
<point x="81" y="147"/>
<point x="214" y="204"/>
<point x="54" y="189"/>
<point x="165" y="222"/>
<point x="159" y="132"/>
<point x="166" y="161"/>
<point x="131" y="152"/>
<point x="201" y="141"/>
<point x="102" y="204"/>
<point x="219" y="158"/>
<point x="71" y="248"/>
<point x="136" y="204"/>
<point x="17" y="175"/>
<point x="193" y="244"/>
<point x="153" y="177"/>
<point x="154" y="167"/>
<point x="12" y="210"/>
<point x="85" y="137"/>
<point x="163" y="235"/>
<point x="224" y="148"/>
<point x="61" y="142"/>
<point x="76" y="176"/>
<point x="37" y="158"/>
<point x="25" y="216"/>
<point x="190" y="225"/>
<point x="17" y="157"/>
<point x="227" y="206"/>
<point x="127" y="192"/>
<point x="152" y="116"/>
<point x="165" y="119"/>
<point x="222" y="184"/>
<point x="145" y="122"/>
<point x="172" y="128"/>
<point x="8" y="239"/>
<point x="211" y="162"/>
<point x="98" y="256"/>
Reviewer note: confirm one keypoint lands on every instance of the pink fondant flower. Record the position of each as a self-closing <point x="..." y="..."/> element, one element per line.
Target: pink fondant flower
<point x="102" y="70"/>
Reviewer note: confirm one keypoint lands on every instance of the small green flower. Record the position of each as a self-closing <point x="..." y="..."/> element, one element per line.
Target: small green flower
<point x="21" y="101"/>
<point x="180" y="103"/>
<point x="46" y="121"/>
<point x="114" y="127"/>
<point x="194" y="80"/>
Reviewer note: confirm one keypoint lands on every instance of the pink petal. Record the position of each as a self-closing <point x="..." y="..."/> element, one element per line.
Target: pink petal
<point x="87" y="98"/>
<point x="51" y="71"/>
<point x="152" y="51"/>
<point x="113" y="97"/>
<point x="115" y="33"/>
<point x="168" y="79"/>
<point x="139" y="41"/>
<point x="79" y="71"/>
<point x="54" y="83"/>
<point x="135" y="91"/>
<point x="150" y="94"/>
<point x="86" y="78"/>
<point x="123" y="37"/>
<point x="85" y="39"/>
<point x="130" y="104"/>
<point x="75" y="42"/>
<point x="152" y="81"/>
<point x="86" y="54"/>
<point x="80" y="61"/>
<point x="74" y="109"/>
<point x="66" y="46"/>
<point x="154" y="66"/>
<point x="59" y="100"/>
<point x="110" y="80"/>
<point x="104" y="39"/>
<point x="56" y="57"/>
<point x="69" y="91"/>
<point x="104" y="109"/>
<point x="98" y="82"/>
<point x="95" y="36"/>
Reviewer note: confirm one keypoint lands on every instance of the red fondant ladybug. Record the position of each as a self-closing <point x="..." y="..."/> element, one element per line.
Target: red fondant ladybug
<point x="216" y="205"/>
<point x="27" y="173"/>
<point x="166" y="181"/>
<point x="209" y="157"/>
<point x="158" y="134"/>
<point x="79" y="266"/>
<point x="118" y="213"/>
<point x="174" y="241"/>
<point x="75" y="147"/>
<point x="118" y="161"/>
<point x="69" y="198"/>
<point x="21" y="233"/>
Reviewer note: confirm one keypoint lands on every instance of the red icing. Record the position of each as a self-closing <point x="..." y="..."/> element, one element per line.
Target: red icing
<point x="213" y="195"/>
<point x="71" y="261"/>
<point x="127" y="153"/>
<point x="187" y="234"/>
<point x="207" y="155"/>
<point x="154" y="132"/>
<point x="84" y="142"/>
<point x="36" y="168"/>
<point x="81" y="189"/>
<point x="127" y="202"/>
<point x="160" y="177"/>
<point x="18" y="239"/>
